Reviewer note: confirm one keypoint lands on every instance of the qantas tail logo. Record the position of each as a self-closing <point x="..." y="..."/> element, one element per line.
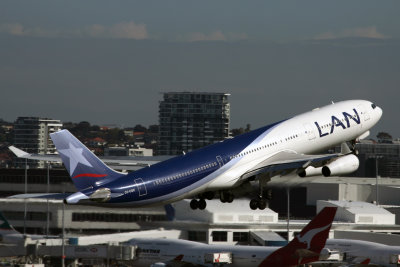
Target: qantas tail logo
<point x="305" y="247"/>
<point x="308" y="236"/>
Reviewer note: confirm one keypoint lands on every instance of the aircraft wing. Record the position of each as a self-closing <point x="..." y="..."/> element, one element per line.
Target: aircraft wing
<point x="285" y="162"/>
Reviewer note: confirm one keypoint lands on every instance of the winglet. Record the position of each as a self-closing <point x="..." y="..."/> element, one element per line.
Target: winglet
<point x="306" y="247"/>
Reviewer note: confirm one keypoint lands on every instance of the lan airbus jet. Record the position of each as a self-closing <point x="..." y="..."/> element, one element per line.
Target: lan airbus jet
<point x="283" y="148"/>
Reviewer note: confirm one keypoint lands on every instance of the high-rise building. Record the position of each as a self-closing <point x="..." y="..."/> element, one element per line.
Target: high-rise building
<point x="191" y="120"/>
<point x="32" y="134"/>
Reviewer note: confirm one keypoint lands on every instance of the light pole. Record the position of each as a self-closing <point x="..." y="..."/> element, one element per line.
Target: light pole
<point x="288" y="213"/>
<point x="26" y="191"/>
<point x="48" y="207"/>
<point x="63" y="236"/>
<point x="377" y="176"/>
<point x="376" y="157"/>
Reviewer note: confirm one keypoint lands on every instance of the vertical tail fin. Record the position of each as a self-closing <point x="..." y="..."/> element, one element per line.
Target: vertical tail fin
<point x="306" y="246"/>
<point x="83" y="166"/>
<point x="8" y="235"/>
<point x="365" y="262"/>
<point x="4" y="224"/>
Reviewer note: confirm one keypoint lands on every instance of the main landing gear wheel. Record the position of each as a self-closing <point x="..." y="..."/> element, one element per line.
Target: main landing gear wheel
<point x="194" y="204"/>
<point x="202" y="204"/>
<point x="261" y="204"/>
<point x="208" y="195"/>
<point x="226" y="197"/>
<point x="253" y="204"/>
<point x="198" y="204"/>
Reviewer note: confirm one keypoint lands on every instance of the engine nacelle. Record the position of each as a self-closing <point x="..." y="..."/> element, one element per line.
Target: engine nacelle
<point x="325" y="254"/>
<point x="310" y="171"/>
<point x="342" y="165"/>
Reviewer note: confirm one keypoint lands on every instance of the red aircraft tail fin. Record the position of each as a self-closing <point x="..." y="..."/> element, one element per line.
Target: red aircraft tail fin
<point x="306" y="246"/>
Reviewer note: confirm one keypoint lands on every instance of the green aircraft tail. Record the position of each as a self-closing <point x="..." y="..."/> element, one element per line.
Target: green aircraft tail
<point x="4" y="224"/>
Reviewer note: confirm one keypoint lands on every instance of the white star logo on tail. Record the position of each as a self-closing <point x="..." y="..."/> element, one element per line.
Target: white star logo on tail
<point x="75" y="156"/>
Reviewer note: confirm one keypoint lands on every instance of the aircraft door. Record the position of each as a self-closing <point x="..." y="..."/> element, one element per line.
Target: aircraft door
<point x="309" y="131"/>
<point x="141" y="187"/>
<point x="220" y="161"/>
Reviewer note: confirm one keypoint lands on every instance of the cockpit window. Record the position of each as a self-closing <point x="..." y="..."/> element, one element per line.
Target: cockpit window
<point x="373" y="105"/>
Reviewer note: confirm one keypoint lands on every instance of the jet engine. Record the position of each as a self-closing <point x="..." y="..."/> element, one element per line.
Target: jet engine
<point x="326" y="254"/>
<point x="310" y="171"/>
<point x="342" y="165"/>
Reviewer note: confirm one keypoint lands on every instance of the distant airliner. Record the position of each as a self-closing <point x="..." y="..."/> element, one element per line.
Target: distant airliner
<point x="282" y="148"/>
<point x="8" y="235"/>
<point x="355" y="250"/>
<point x="306" y="247"/>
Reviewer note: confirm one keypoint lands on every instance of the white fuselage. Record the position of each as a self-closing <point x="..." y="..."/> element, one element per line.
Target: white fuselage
<point x="151" y="251"/>
<point x="379" y="254"/>
<point x="301" y="135"/>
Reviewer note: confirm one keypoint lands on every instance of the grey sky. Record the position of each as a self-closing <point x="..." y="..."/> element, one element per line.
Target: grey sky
<point x="107" y="61"/>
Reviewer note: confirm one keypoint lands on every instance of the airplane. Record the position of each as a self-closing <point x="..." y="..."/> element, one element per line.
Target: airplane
<point x="377" y="254"/>
<point x="364" y="263"/>
<point x="226" y="168"/>
<point x="8" y="235"/>
<point x="306" y="247"/>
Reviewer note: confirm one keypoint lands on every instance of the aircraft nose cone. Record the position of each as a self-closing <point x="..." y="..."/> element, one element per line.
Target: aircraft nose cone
<point x="379" y="112"/>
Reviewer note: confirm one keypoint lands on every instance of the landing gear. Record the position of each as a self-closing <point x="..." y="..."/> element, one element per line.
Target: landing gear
<point x="226" y="197"/>
<point x="260" y="203"/>
<point x="208" y="195"/>
<point x="194" y="204"/>
<point x="254" y="204"/>
<point x="200" y="204"/>
<point x="353" y="147"/>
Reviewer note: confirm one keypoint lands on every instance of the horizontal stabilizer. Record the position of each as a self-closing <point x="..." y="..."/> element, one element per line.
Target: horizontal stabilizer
<point x="23" y="154"/>
<point x="55" y="196"/>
